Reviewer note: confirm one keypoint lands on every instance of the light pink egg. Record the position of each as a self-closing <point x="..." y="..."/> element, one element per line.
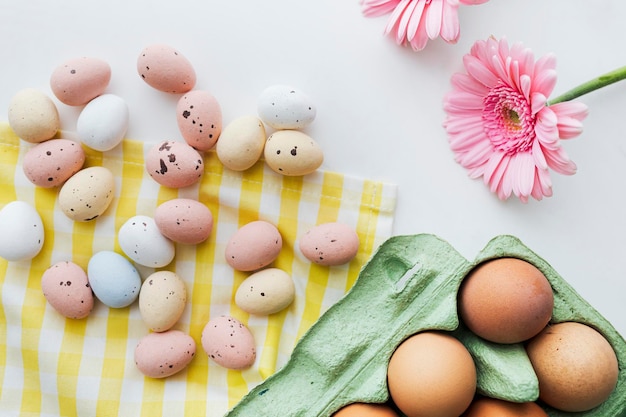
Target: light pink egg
<point x="66" y="287"/>
<point x="229" y="343"/>
<point x="159" y="355"/>
<point x="199" y="118"/>
<point x="166" y="69"/>
<point x="51" y="163"/>
<point x="184" y="220"/>
<point x="330" y="244"/>
<point x="77" y="81"/>
<point x="174" y="164"/>
<point x="254" y="246"/>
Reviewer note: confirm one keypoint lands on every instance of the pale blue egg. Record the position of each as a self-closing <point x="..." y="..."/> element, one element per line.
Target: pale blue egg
<point x="113" y="279"/>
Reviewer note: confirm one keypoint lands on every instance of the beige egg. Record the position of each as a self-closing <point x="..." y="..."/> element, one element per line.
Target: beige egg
<point x="241" y="143"/>
<point x="292" y="153"/>
<point x="87" y="194"/>
<point x="162" y="300"/>
<point x="266" y="292"/>
<point x="159" y="355"/>
<point x="33" y="116"/>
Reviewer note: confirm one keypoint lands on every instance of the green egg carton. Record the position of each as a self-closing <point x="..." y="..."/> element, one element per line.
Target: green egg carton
<point x="410" y="285"/>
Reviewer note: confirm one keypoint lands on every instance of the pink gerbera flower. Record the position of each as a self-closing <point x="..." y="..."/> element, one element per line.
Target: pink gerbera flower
<point x="500" y="125"/>
<point x="414" y="22"/>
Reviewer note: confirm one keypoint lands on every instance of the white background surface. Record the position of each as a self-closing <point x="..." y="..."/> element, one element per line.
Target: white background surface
<point x="379" y="105"/>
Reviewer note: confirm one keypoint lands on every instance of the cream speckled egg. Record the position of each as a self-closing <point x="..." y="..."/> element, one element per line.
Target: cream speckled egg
<point x="21" y="231"/>
<point x="174" y="164"/>
<point x="103" y="122"/>
<point x="87" y="194"/>
<point x="77" y="81"/>
<point x="166" y="69"/>
<point x="285" y="107"/>
<point x="241" y="143"/>
<point x="51" y="163"/>
<point x="140" y="239"/>
<point x="267" y="291"/>
<point x="184" y="220"/>
<point x="229" y="343"/>
<point x="199" y="118"/>
<point x="33" y="116"/>
<point x="162" y="300"/>
<point x="330" y="244"/>
<point x="292" y="153"/>
<point x="253" y="246"/>
<point x="159" y="355"/>
<point x="66" y="287"/>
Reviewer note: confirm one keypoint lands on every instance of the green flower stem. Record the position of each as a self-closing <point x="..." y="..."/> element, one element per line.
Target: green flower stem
<point x="592" y="85"/>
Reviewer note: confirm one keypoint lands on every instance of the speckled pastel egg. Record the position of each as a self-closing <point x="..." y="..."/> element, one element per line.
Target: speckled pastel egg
<point x="166" y="69"/>
<point x="113" y="279"/>
<point x="285" y="107"/>
<point x="79" y="80"/>
<point x="66" y="287"/>
<point x="162" y="300"/>
<point x="174" y="164"/>
<point x="140" y="239"/>
<point x="159" y="355"/>
<point x="267" y="291"/>
<point x="33" y="116"/>
<point x="87" y="194"/>
<point x="51" y="163"/>
<point x="292" y="153"/>
<point x="330" y="244"/>
<point x="229" y="343"/>
<point x="253" y="246"/>
<point x="241" y="143"/>
<point x="184" y="220"/>
<point x="102" y="124"/>
<point x="199" y="118"/>
<point x="21" y="231"/>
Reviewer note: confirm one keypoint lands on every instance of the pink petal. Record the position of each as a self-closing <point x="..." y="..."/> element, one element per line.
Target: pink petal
<point x="394" y="20"/>
<point x="420" y="39"/>
<point x="537" y="102"/>
<point x="544" y="82"/>
<point x="477" y="70"/>
<point x="450" y="28"/>
<point x="524" y="84"/>
<point x="569" y="127"/>
<point x="539" y="158"/>
<point x="434" y="13"/>
<point x="466" y="101"/>
<point x="415" y="20"/>
<point x="468" y="84"/>
<point x="573" y="109"/>
<point x="473" y="2"/>
<point x="404" y="21"/>
<point x="374" y="8"/>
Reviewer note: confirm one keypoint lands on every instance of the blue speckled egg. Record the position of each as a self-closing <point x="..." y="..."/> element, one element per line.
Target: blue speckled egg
<point x="113" y="279"/>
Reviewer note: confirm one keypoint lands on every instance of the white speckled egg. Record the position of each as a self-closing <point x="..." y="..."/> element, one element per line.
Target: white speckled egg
<point x="159" y="355"/>
<point x="285" y="107"/>
<point x="51" y="163"/>
<point x="103" y="122"/>
<point x="292" y="153"/>
<point x="253" y="246"/>
<point x="199" y="118"/>
<point x="77" y="81"/>
<point x="267" y="291"/>
<point x="184" y="220"/>
<point x="87" y="194"/>
<point x="21" y="231"/>
<point x="33" y="116"/>
<point x="162" y="300"/>
<point x="113" y="279"/>
<point x="66" y="287"/>
<point x="140" y="239"/>
<point x="166" y="69"/>
<point x="330" y="244"/>
<point x="241" y="143"/>
<point x="229" y="343"/>
<point x="174" y="164"/>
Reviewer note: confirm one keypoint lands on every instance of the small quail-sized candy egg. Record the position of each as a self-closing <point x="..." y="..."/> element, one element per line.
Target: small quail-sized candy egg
<point x="21" y="231"/>
<point x="330" y="244"/>
<point x="174" y="164"/>
<point x="79" y="80"/>
<point x="184" y="220"/>
<point x="51" y="163"/>
<point x="229" y="343"/>
<point x="140" y="239"/>
<point x="66" y="287"/>
<point x="113" y="279"/>
<point x="162" y="300"/>
<point x="285" y="107"/>
<point x="292" y="153"/>
<point x="199" y="118"/>
<point x="241" y="143"/>
<point x="87" y="194"/>
<point x="253" y="246"/>
<point x="33" y="116"/>
<point x="103" y="122"/>
<point x="159" y="355"/>
<point x="265" y="292"/>
<point x="166" y="69"/>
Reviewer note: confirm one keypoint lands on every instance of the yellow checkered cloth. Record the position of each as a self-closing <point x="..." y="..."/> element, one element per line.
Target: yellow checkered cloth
<point x="53" y="366"/>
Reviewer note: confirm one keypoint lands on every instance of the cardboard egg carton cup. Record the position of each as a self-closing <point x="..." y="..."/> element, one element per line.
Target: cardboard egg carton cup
<point x="410" y="285"/>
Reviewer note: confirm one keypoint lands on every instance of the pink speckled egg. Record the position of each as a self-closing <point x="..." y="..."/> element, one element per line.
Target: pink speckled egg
<point x="229" y="343"/>
<point x="77" y="81"/>
<point x="66" y="287"/>
<point x="51" y="163"/>
<point x="184" y="220"/>
<point x="254" y="246"/>
<point x="159" y="355"/>
<point x="199" y="118"/>
<point x="174" y="164"/>
<point x="330" y="244"/>
<point x="165" y="69"/>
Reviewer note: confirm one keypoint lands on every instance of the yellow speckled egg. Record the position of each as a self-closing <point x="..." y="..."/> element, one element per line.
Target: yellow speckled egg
<point x="162" y="300"/>
<point x="267" y="291"/>
<point x="292" y="153"/>
<point x="33" y="116"/>
<point x="241" y="143"/>
<point x="87" y="194"/>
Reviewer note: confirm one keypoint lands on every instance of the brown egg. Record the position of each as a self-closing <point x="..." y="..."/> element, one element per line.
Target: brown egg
<point x="491" y="407"/>
<point x="366" y="410"/>
<point x="576" y="366"/>
<point x="431" y="374"/>
<point x="505" y="300"/>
